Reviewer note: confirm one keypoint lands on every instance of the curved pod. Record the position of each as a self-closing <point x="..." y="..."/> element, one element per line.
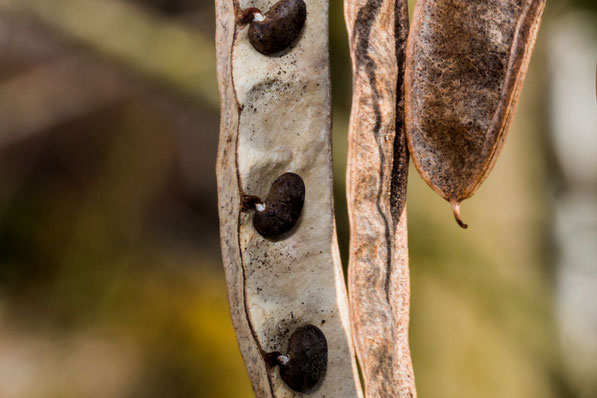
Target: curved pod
<point x="378" y="274"/>
<point x="466" y="61"/>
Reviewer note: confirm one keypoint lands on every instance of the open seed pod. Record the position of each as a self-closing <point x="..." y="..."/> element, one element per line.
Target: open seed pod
<point x="276" y="117"/>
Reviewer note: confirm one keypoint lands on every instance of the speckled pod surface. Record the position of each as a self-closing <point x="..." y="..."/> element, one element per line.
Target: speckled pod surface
<point x="275" y="120"/>
<point x="466" y="61"/>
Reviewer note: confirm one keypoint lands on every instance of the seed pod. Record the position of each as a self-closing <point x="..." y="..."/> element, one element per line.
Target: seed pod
<point x="279" y="27"/>
<point x="276" y="114"/>
<point x="466" y="61"/>
<point x="376" y="182"/>
<point x="283" y="206"/>
<point x="305" y="363"/>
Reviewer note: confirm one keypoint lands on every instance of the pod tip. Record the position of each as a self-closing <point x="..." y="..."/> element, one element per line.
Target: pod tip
<point x="456" y="210"/>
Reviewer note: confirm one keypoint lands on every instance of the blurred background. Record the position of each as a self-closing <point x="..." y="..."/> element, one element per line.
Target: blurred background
<point x="111" y="283"/>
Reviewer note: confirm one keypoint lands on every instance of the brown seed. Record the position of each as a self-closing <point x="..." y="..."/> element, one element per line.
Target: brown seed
<point x="305" y="363"/>
<point x="280" y="26"/>
<point x="283" y="206"/>
<point x="466" y="60"/>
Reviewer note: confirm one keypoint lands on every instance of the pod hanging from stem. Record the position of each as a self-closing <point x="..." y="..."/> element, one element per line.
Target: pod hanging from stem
<point x="456" y="210"/>
<point x="465" y="64"/>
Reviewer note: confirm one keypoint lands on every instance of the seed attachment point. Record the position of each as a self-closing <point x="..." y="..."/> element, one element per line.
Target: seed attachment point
<point x="283" y="360"/>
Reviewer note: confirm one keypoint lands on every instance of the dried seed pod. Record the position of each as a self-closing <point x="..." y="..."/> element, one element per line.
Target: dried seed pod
<point x="376" y="182"/>
<point x="466" y="60"/>
<point x="278" y="28"/>
<point x="283" y="206"/>
<point x="304" y="366"/>
<point x="276" y="117"/>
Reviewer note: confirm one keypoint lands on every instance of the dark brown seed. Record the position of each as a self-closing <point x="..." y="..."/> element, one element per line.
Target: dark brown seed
<point x="281" y="26"/>
<point x="306" y="361"/>
<point x="465" y="63"/>
<point x="283" y="206"/>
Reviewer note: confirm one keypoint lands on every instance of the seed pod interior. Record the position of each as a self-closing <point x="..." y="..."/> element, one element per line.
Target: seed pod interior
<point x="276" y="118"/>
<point x="466" y="60"/>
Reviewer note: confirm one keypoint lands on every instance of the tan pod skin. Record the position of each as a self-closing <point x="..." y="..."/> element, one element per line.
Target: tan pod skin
<point x="466" y="61"/>
<point x="275" y="118"/>
<point x="378" y="276"/>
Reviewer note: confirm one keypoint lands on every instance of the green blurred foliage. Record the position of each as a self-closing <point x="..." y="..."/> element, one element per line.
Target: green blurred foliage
<point x="108" y="225"/>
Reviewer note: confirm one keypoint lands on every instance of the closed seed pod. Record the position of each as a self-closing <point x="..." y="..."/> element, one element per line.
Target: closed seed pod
<point x="278" y="28"/>
<point x="282" y="207"/>
<point x="305" y="363"/>
<point x="376" y="182"/>
<point x="466" y="61"/>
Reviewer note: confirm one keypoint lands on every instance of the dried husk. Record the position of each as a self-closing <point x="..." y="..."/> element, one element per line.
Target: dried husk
<point x="466" y="61"/>
<point x="378" y="276"/>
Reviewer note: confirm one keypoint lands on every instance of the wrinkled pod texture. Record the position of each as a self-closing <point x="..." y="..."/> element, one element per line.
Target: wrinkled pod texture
<point x="466" y="61"/>
<point x="376" y="179"/>
<point x="277" y="29"/>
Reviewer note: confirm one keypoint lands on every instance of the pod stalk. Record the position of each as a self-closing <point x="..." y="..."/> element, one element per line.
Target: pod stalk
<point x="456" y="210"/>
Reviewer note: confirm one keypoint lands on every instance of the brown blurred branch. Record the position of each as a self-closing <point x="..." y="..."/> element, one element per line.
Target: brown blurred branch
<point x="168" y="51"/>
<point x="54" y="92"/>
